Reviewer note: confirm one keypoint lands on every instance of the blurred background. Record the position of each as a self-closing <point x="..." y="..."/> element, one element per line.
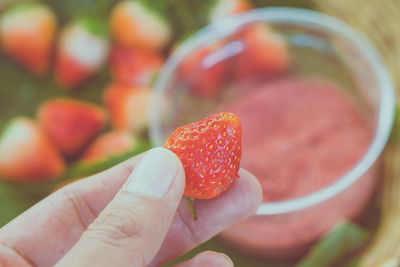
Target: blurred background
<point x="77" y="82"/>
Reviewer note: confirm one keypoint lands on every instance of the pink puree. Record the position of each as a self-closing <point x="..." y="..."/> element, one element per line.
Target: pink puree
<point x="299" y="135"/>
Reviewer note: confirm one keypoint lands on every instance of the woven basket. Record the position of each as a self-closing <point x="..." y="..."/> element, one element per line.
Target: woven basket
<point x="379" y="20"/>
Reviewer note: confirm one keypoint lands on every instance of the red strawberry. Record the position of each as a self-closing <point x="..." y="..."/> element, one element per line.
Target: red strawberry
<point x="110" y="144"/>
<point x="71" y="124"/>
<point x="82" y="51"/>
<point x="134" y="24"/>
<point x="210" y="152"/>
<point x="26" y="155"/>
<point x="27" y="35"/>
<point x="128" y="106"/>
<point x="202" y="74"/>
<point x="135" y="66"/>
<point x="264" y="53"/>
<point x="223" y="8"/>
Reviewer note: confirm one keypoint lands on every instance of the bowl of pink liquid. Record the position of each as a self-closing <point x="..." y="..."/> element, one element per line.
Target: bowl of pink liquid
<point x="316" y="105"/>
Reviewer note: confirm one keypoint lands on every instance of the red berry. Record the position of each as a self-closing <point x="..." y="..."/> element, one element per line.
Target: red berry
<point x="210" y="152"/>
<point x="224" y="8"/>
<point x="110" y="144"/>
<point x="26" y="153"/>
<point x="135" y="66"/>
<point x="27" y="33"/>
<point x="71" y="124"/>
<point x="81" y="52"/>
<point x="135" y="24"/>
<point x="265" y="53"/>
<point x="202" y="78"/>
<point x="127" y="106"/>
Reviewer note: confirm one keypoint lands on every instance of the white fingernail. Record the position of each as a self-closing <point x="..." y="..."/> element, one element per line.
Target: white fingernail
<point x="154" y="174"/>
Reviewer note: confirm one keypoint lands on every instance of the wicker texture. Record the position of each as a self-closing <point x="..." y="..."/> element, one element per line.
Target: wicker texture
<point x="379" y="21"/>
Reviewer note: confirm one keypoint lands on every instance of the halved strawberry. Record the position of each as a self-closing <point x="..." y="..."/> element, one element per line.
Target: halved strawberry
<point x="134" y="24"/>
<point x="210" y="151"/>
<point x="27" y="35"/>
<point x="223" y="8"/>
<point x="264" y="53"/>
<point x="71" y="124"/>
<point x="109" y="144"/>
<point x="82" y="50"/>
<point x="127" y="106"/>
<point x="204" y="71"/>
<point x="134" y="65"/>
<point x="26" y="154"/>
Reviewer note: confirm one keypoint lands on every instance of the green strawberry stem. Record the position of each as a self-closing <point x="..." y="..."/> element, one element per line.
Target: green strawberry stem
<point x="190" y="201"/>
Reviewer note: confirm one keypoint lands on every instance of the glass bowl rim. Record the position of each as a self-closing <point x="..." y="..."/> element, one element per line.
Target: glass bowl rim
<point x="224" y="27"/>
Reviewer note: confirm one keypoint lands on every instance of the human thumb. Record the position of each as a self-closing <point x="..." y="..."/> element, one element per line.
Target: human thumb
<point x="131" y="229"/>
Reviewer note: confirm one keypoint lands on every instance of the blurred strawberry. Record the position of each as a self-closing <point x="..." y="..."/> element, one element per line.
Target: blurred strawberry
<point x="264" y="53"/>
<point x="71" y="124"/>
<point x="135" y="66"/>
<point x="223" y="8"/>
<point x="109" y="144"/>
<point x="82" y="51"/>
<point x="27" y="34"/>
<point x="133" y="24"/>
<point x="127" y="106"/>
<point x="204" y="71"/>
<point x="26" y="154"/>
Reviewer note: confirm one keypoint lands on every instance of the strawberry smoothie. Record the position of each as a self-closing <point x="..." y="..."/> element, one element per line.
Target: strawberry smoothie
<point x="299" y="135"/>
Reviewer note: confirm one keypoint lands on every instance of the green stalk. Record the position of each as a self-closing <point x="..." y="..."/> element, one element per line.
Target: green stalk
<point x="190" y="201"/>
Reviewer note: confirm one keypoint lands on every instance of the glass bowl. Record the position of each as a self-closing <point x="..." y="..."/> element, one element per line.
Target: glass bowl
<point x="318" y="46"/>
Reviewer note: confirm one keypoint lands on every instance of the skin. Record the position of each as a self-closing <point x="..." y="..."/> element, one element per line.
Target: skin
<point x="93" y="222"/>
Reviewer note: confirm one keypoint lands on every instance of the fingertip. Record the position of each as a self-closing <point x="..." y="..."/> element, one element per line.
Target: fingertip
<point x="208" y="258"/>
<point x="253" y="189"/>
<point x="212" y="258"/>
<point x="241" y="201"/>
<point x="180" y="172"/>
<point x="170" y="154"/>
<point x="158" y="174"/>
<point x="220" y="258"/>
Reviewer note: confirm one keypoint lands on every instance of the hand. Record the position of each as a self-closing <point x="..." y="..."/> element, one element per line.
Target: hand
<point x="95" y="222"/>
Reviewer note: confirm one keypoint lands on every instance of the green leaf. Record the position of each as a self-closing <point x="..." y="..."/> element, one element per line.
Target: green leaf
<point x="95" y="26"/>
<point x="344" y="239"/>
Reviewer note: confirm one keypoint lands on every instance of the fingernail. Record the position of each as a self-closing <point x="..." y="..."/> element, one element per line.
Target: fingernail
<point x="154" y="174"/>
